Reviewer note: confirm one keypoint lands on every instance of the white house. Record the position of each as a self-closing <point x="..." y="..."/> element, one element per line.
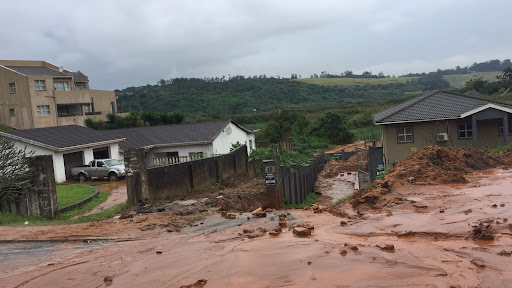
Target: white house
<point x="184" y="142"/>
<point x="70" y="146"/>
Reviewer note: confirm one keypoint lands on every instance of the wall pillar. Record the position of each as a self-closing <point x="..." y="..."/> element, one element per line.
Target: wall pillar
<point x="505" y="128"/>
<point x="43" y="184"/>
<point x="475" y="132"/>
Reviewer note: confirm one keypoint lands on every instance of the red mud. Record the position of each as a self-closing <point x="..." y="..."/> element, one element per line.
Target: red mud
<point x="431" y="229"/>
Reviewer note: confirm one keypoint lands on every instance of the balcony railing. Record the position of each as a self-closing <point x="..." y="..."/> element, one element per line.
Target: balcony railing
<point x="68" y="114"/>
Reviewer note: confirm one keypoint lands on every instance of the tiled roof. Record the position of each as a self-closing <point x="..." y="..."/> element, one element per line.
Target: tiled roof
<point x="80" y="77"/>
<point x="171" y="134"/>
<point x="38" y="70"/>
<point x="61" y="137"/>
<point x="433" y="106"/>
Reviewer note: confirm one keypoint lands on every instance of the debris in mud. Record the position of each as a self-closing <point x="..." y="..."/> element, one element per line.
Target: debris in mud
<point x="108" y="280"/>
<point x="494" y="206"/>
<point x="502" y="205"/>
<point x="351" y="247"/>
<point x="466" y="212"/>
<point x="505" y="253"/>
<point x="478" y="263"/>
<point x="254" y="233"/>
<point x="199" y="284"/>
<point x="223" y="213"/>
<point x="411" y="180"/>
<point x="309" y="262"/>
<point x="386" y="247"/>
<point x="301" y="232"/>
<point x="148" y="227"/>
<point x="343" y="252"/>
<point x="259" y="213"/>
<point x="343" y="223"/>
<point x="483" y="231"/>
<point x="274" y="233"/>
<point x="231" y="216"/>
<point x="125" y="216"/>
<point x="420" y="206"/>
<point x="247" y="231"/>
<point x="158" y="252"/>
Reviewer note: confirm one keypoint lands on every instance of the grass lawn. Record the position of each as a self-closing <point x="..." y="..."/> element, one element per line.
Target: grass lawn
<point x="4" y="128"/>
<point x="70" y="194"/>
<point x="355" y="81"/>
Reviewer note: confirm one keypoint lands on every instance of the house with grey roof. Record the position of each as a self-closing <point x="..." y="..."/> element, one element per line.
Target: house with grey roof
<point x="70" y="146"/>
<point x="443" y="118"/>
<point x="168" y="144"/>
<point x="36" y="94"/>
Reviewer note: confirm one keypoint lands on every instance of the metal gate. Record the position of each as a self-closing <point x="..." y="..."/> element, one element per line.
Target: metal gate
<point x="363" y="176"/>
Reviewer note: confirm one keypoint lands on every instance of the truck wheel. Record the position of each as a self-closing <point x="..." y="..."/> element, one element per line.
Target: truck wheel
<point x="113" y="176"/>
<point x="82" y="177"/>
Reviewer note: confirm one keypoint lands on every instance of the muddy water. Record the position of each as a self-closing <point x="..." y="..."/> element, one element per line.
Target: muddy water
<point x="342" y="185"/>
<point x="436" y="251"/>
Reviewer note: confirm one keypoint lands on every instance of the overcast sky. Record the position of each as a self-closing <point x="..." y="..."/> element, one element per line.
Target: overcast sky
<point x="131" y="43"/>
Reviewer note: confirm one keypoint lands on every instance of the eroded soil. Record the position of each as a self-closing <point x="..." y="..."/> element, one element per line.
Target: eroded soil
<point x="426" y="238"/>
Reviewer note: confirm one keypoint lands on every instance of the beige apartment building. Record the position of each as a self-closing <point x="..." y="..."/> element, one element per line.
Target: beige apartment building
<point x="35" y="94"/>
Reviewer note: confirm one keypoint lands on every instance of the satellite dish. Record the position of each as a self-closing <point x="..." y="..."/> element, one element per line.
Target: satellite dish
<point x="228" y="130"/>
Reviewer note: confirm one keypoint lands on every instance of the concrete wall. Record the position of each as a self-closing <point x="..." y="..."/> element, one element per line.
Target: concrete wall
<point x="223" y="143"/>
<point x="20" y="101"/>
<point x="41" y="198"/>
<point x="171" y="181"/>
<point x="425" y="133"/>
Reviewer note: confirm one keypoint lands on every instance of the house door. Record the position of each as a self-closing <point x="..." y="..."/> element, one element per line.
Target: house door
<point x="72" y="160"/>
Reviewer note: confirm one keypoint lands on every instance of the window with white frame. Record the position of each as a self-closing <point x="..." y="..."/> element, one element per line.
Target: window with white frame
<point x="465" y="130"/>
<point x="404" y="135"/>
<point x="500" y="125"/>
<point x="12" y="88"/>
<point x="87" y="108"/>
<point x="12" y="112"/>
<point x="40" y="85"/>
<point x="61" y="86"/>
<point x="43" y="110"/>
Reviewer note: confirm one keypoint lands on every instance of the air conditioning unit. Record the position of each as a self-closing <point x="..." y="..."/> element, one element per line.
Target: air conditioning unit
<point x="441" y="137"/>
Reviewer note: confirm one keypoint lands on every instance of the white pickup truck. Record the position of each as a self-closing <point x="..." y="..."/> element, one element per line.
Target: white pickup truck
<point x="99" y="168"/>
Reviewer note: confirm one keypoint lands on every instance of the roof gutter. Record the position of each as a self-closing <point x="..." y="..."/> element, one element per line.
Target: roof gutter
<point x="170" y="145"/>
<point x="413" y="121"/>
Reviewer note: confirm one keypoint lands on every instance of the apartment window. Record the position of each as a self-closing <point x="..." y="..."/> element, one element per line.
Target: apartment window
<point x="61" y="86"/>
<point x="500" y="125"/>
<point x="12" y="112"/>
<point x="40" y="85"/>
<point x="87" y="108"/>
<point x="43" y="110"/>
<point x="12" y="88"/>
<point x="465" y="130"/>
<point x="404" y="135"/>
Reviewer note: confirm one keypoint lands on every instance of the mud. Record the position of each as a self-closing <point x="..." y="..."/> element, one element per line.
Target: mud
<point x="409" y="242"/>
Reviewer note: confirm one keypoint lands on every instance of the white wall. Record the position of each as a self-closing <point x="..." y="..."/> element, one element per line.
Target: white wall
<point x="223" y="143"/>
<point x="58" y="160"/>
<point x="58" y="157"/>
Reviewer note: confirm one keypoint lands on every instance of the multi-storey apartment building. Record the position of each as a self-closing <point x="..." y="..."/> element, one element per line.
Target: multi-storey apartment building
<point x="36" y="94"/>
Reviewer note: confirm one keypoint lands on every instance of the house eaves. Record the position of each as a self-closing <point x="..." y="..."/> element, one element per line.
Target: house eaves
<point x="482" y="108"/>
<point x="12" y="70"/>
<point x="63" y="149"/>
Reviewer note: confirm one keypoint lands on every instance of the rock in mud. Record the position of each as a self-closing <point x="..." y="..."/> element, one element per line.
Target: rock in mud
<point x="223" y="213"/>
<point x="411" y="180"/>
<point x="125" y="216"/>
<point x="502" y="205"/>
<point x="261" y="214"/>
<point x="494" y="206"/>
<point x="199" y="284"/>
<point x="247" y="231"/>
<point x="283" y="224"/>
<point x="148" y="227"/>
<point x="386" y="247"/>
<point x="301" y="232"/>
<point x="343" y="252"/>
<point x="505" y="253"/>
<point x="274" y="233"/>
<point x="158" y="252"/>
<point x="108" y="280"/>
<point x="160" y="209"/>
<point x="343" y="223"/>
<point x="231" y="216"/>
<point x="478" y="263"/>
<point x="351" y="247"/>
<point x="420" y="206"/>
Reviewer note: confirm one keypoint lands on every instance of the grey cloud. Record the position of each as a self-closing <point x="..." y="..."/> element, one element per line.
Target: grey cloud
<point x="125" y="43"/>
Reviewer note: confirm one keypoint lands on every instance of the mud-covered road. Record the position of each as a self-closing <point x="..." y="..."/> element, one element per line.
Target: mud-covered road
<point x="426" y="239"/>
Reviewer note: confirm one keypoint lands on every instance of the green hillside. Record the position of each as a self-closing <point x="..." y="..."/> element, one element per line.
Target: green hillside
<point x="345" y="82"/>
<point x="459" y="80"/>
